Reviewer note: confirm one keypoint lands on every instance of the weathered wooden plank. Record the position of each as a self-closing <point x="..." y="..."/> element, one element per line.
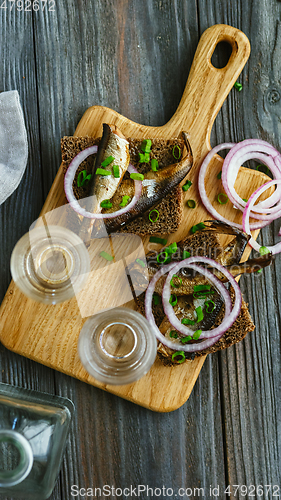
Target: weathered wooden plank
<point x="250" y="371"/>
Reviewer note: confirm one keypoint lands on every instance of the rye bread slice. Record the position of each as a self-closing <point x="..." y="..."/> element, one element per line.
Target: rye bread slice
<point x="204" y="243"/>
<point x="169" y="208"/>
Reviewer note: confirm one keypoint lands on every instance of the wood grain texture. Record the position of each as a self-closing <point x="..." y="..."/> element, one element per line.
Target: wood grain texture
<point x="113" y="441"/>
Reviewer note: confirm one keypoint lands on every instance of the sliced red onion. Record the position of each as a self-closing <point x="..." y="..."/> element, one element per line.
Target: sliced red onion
<point x="203" y="194"/>
<point x="246" y="215"/>
<point x="74" y="203"/>
<point x="243" y="151"/>
<point x="230" y="313"/>
<point x="149" y="314"/>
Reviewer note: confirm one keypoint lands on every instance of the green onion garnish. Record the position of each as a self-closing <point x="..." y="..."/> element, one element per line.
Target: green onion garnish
<point x="208" y="304"/>
<point x="264" y="250"/>
<point x="106" y="256"/>
<point x="107" y="161"/>
<point x="144" y="158"/>
<point x="178" y="353"/>
<point x="267" y="172"/>
<point x="199" y="313"/>
<point x="200" y="288"/>
<point x="191" y="203"/>
<point x="197" y="334"/>
<point x="153" y="218"/>
<point x="172" y="281"/>
<point x="106" y="204"/>
<point x="186" y="186"/>
<point x="83" y="178"/>
<point x="163" y="257"/>
<point x="137" y="177"/>
<point x="161" y="241"/>
<point x="186" y="321"/>
<point x="222" y="198"/>
<point x="219" y="175"/>
<point x="156" y="299"/>
<point x="244" y="199"/>
<point x="176" y="152"/>
<point x="259" y="271"/>
<point x="202" y="295"/>
<point x="238" y="86"/>
<point x="173" y="300"/>
<point x="146" y="145"/>
<point x="172" y="248"/>
<point x="173" y="334"/>
<point x="184" y="340"/>
<point x="101" y="171"/>
<point x="116" y="172"/>
<point x="185" y="254"/>
<point x="124" y="202"/>
<point x="197" y="227"/>
<point x="140" y="262"/>
<point x="154" y="165"/>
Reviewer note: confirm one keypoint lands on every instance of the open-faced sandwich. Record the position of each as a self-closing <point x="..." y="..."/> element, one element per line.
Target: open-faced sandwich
<point x="190" y="297"/>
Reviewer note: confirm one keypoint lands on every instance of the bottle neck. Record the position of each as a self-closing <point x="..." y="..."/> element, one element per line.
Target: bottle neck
<point x="16" y="458"/>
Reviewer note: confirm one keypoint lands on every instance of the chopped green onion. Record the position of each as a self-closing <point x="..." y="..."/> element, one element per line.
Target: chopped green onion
<point x="101" y="171"/>
<point x="184" y="340"/>
<point x="174" y="301"/>
<point x="150" y="216"/>
<point x="185" y="254"/>
<point x="197" y="334"/>
<point x="200" y="288"/>
<point x="186" y="186"/>
<point x="154" y="165"/>
<point x="144" y="158"/>
<point x="259" y="271"/>
<point x="176" y="152"/>
<point x="106" y="256"/>
<point x="219" y="175"/>
<point x="222" y="198"/>
<point x="107" y="161"/>
<point x="154" y="239"/>
<point x="202" y="295"/>
<point x="116" y="172"/>
<point x="124" y="202"/>
<point x="191" y="203"/>
<point x="106" y="204"/>
<point x="238" y="86"/>
<point x="173" y="334"/>
<point x="207" y="304"/>
<point x="264" y="250"/>
<point x="267" y="172"/>
<point x="186" y="321"/>
<point x="178" y="353"/>
<point x="140" y="262"/>
<point x="156" y="299"/>
<point x="244" y="199"/>
<point x="172" y="281"/>
<point x="172" y="248"/>
<point x="165" y="257"/>
<point x="82" y="178"/>
<point x="197" y="227"/>
<point x="199" y="313"/>
<point x="146" y="145"/>
<point x="137" y="177"/>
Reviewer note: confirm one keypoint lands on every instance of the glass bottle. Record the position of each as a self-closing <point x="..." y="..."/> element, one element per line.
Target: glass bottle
<point x="117" y="346"/>
<point x="50" y="264"/>
<point x="33" y="432"/>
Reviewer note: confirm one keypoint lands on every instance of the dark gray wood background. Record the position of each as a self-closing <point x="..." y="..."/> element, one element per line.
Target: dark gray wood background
<point x="134" y="56"/>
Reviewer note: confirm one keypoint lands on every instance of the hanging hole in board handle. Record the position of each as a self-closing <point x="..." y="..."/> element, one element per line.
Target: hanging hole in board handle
<point x="221" y="54"/>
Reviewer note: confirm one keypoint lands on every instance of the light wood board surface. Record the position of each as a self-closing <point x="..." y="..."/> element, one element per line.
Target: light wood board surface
<point x="49" y="334"/>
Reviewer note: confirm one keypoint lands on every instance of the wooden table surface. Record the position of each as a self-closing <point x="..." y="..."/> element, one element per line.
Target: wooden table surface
<point x="134" y="56"/>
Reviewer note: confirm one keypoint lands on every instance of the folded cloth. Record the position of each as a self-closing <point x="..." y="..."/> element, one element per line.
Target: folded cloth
<point x="13" y="144"/>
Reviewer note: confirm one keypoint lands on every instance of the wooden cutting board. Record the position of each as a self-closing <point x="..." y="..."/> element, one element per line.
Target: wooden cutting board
<point x="49" y="334"/>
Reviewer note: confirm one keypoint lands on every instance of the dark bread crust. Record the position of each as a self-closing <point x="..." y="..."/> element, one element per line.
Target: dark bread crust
<point x="170" y="208"/>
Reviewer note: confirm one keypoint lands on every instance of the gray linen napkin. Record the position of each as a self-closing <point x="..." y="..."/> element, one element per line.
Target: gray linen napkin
<point x="13" y="143"/>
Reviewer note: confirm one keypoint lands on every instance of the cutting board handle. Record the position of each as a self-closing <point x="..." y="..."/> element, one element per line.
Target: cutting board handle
<point x="207" y="87"/>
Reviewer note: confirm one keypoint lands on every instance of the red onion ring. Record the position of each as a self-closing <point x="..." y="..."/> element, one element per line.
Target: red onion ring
<point x="230" y="313"/>
<point x="246" y="215"/>
<point x="74" y="203"/>
<point x="149" y="315"/>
